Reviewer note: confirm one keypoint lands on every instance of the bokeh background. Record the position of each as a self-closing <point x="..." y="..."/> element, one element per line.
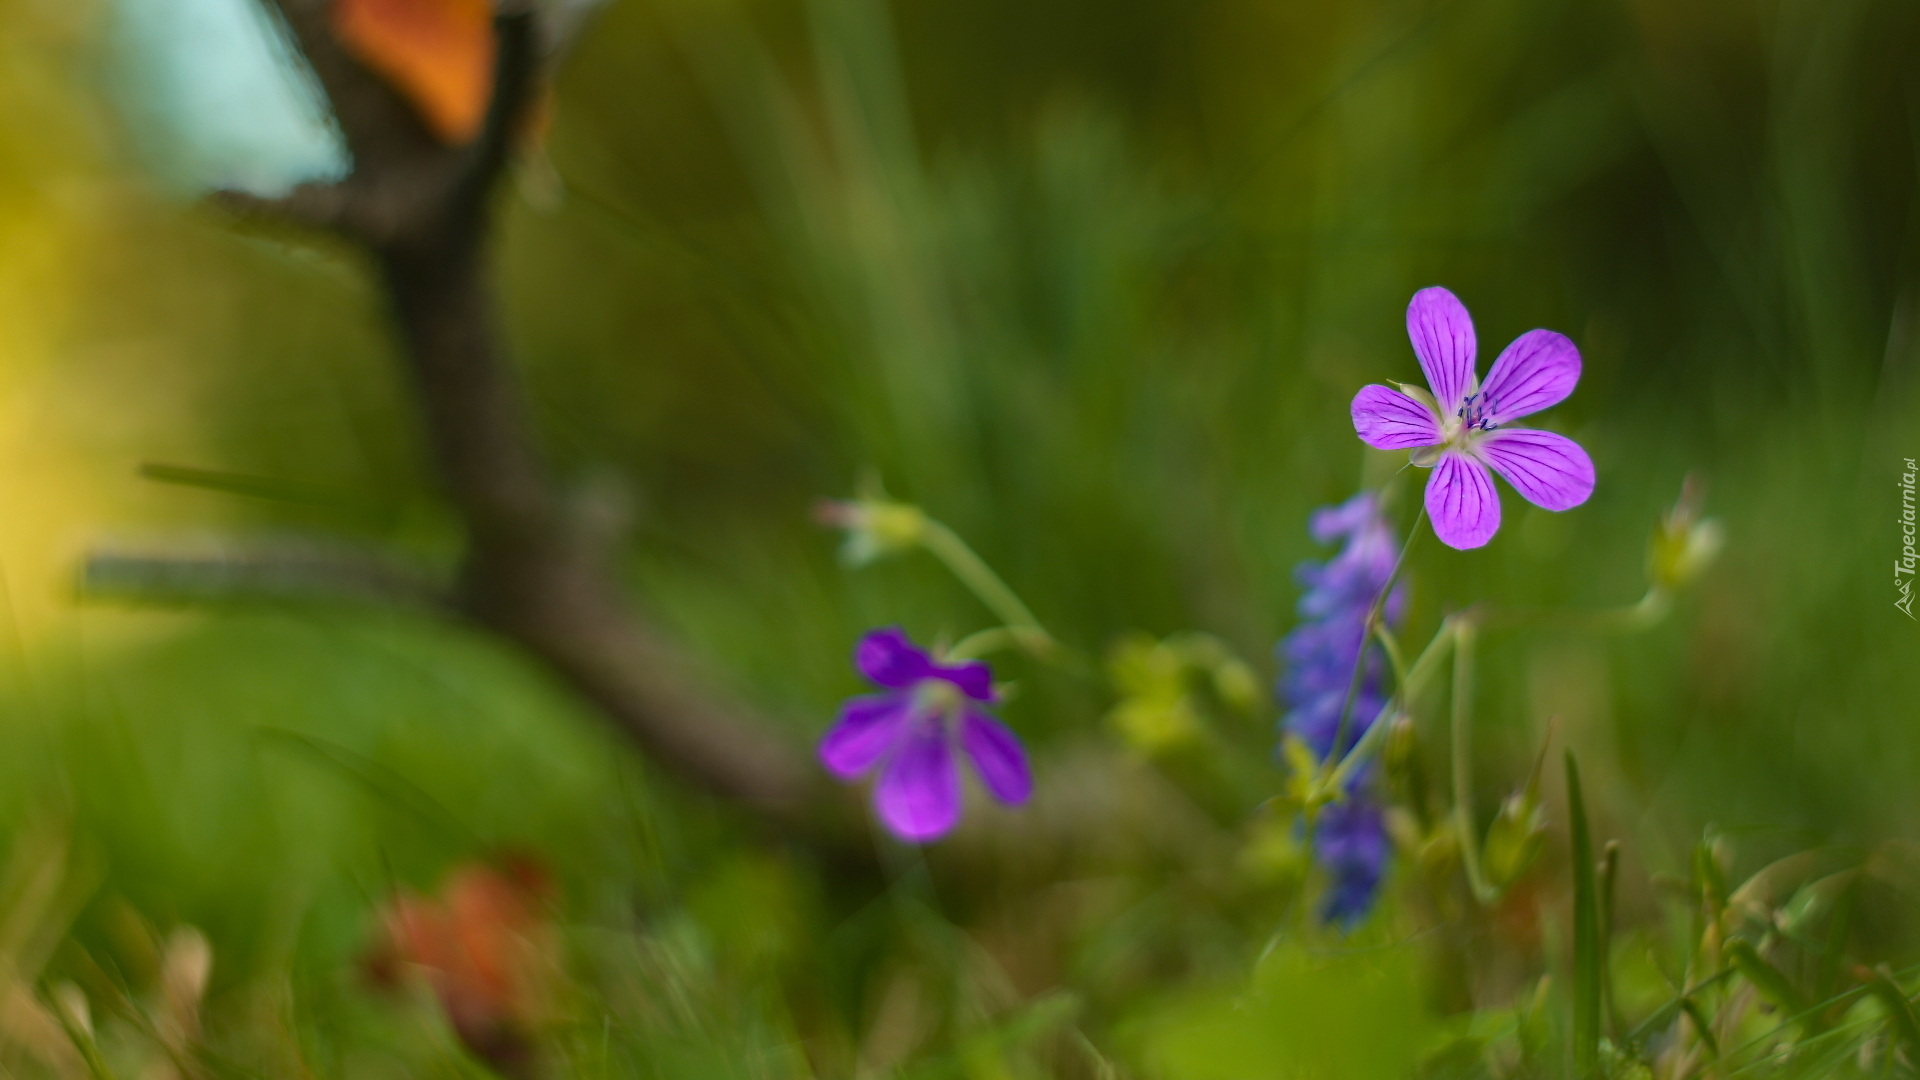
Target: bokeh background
<point x="1091" y="282"/>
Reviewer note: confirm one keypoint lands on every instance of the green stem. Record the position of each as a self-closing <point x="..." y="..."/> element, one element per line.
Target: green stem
<point x="977" y="576"/>
<point x="1429" y="661"/>
<point x="1416" y="680"/>
<point x="1363" y="750"/>
<point x="983" y="642"/>
<point x="1390" y="645"/>
<point x="1640" y="615"/>
<point x="1334" y="753"/>
<point x="1463" y="636"/>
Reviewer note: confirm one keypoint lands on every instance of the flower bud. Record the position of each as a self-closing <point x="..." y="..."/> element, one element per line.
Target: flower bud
<point x="1402" y="748"/>
<point x="875" y="526"/>
<point x="1515" y="838"/>
<point x="1684" y="544"/>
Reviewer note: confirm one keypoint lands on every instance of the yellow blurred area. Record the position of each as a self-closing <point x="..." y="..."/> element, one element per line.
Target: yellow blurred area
<point x="77" y="407"/>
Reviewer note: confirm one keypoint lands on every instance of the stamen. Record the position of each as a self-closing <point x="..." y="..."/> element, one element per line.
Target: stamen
<point x="1475" y="413"/>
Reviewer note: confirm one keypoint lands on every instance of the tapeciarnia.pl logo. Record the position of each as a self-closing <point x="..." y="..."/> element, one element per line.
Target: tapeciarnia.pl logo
<point x="1905" y="563"/>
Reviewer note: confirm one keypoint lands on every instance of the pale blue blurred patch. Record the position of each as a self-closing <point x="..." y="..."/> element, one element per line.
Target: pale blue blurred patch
<point x="215" y="96"/>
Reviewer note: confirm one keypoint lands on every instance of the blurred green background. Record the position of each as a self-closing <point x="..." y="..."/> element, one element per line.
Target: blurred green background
<point x="1092" y="282"/>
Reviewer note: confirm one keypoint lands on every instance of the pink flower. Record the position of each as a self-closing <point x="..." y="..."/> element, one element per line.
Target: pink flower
<point x="909" y="731"/>
<point x="1462" y="428"/>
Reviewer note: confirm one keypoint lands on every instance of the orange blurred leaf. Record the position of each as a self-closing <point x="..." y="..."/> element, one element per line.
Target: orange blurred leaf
<point x="438" y="53"/>
<point x="484" y="947"/>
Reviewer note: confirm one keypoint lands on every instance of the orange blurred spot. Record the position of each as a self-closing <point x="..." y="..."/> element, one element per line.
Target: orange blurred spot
<point x="484" y="948"/>
<point x="438" y="53"/>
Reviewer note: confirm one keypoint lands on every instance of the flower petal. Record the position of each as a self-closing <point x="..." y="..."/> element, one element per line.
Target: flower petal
<point x="1462" y="503"/>
<point x="868" y="728"/>
<point x="1442" y="334"/>
<point x="889" y="658"/>
<point x="1331" y="523"/>
<point x="1549" y="470"/>
<point x="973" y="677"/>
<point x="919" y="794"/>
<point x="997" y="757"/>
<point x="1536" y="372"/>
<point x="1387" y="419"/>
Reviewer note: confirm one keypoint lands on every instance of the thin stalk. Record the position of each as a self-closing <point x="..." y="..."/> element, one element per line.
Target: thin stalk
<point x="1678" y="1004"/>
<point x="1335" y="753"/>
<point x="1390" y="645"/>
<point x="1428" y="662"/>
<point x="1627" y="618"/>
<point x="1351" y="764"/>
<point x="983" y="642"/>
<point x="1337" y="750"/>
<point x="1416" y="679"/>
<point x="1588" y="961"/>
<point x="1463" y="635"/>
<point x="976" y="575"/>
<point x="1609" y="876"/>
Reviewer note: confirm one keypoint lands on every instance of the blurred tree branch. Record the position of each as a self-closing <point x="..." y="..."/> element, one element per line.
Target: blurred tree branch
<point x="421" y="210"/>
<point x="290" y="570"/>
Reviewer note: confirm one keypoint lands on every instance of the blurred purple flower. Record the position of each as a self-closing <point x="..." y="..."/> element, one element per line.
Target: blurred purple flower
<point x="909" y="731"/>
<point x="1349" y="841"/>
<point x="1460" y="428"/>
<point x="1320" y="652"/>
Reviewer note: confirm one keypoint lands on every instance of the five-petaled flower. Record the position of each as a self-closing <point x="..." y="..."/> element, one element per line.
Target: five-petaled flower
<point x="1461" y="429"/>
<point x="909" y="732"/>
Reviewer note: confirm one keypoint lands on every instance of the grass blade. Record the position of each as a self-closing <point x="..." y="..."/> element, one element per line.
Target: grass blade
<point x="1586" y="935"/>
<point x="1772" y="985"/>
<point x="1900" y="1012"/>
<point x="1702" y="1024"/>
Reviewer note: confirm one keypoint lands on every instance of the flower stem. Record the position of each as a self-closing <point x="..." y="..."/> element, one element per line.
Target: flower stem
<point x="983" y="642"/>
<point x="1390" y="645"/>
<point x="976" y="575"/>
<point x="1409" y="688"/>
<point x="1335" y="753"/>
<point x="1626" y="619"/>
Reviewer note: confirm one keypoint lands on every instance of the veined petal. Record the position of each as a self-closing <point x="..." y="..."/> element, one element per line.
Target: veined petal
<point x="1387" y="419"/>
<point x="868" y="728"/>
<point x="997" y="756"/>
<point x="1462" y="503"/>
<point x="1548" y="470"/>
<point x="1536" y="372"/>
<point x="1442" y="334"/>
<point x="890" y="659"/>
<point x="919" y="794"/>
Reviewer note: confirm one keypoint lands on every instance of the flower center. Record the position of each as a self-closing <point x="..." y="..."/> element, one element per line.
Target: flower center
<point x="937" y="697"/>
<point x="1475" y="413"/>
